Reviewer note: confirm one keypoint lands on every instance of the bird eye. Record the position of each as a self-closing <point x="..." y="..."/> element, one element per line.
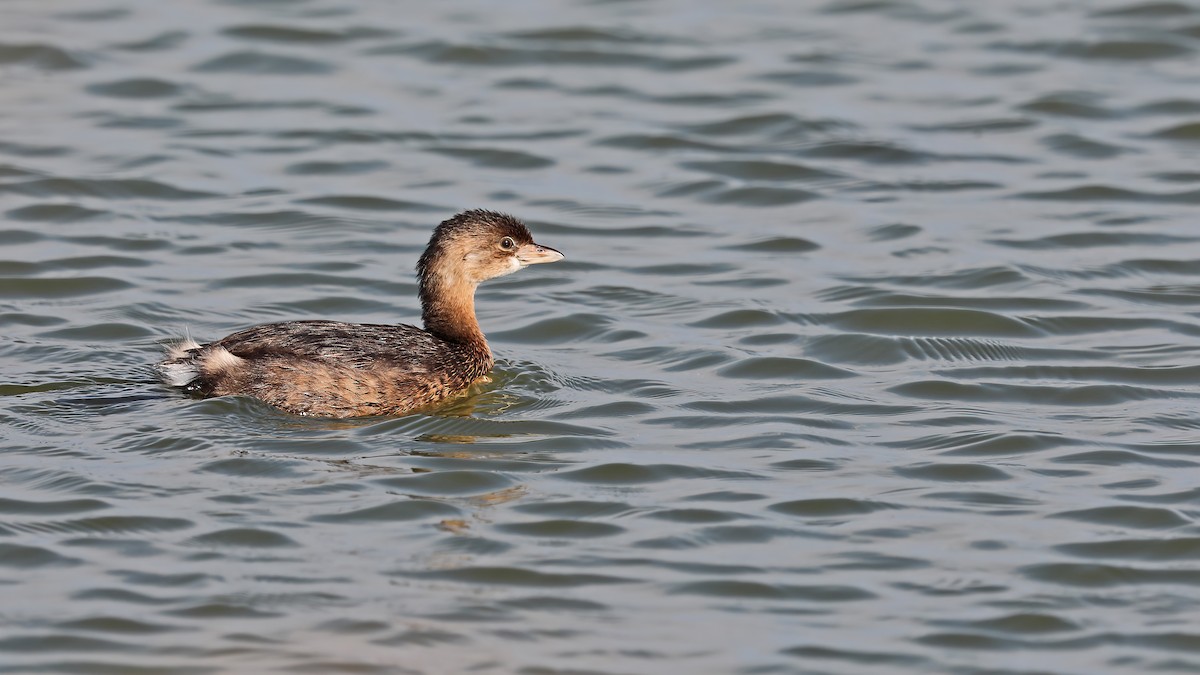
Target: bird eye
<point x="507" y="243"/>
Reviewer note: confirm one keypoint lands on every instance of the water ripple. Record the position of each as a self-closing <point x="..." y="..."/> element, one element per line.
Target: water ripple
<point x="439" y="51"/>
<point x="875" y="313"/>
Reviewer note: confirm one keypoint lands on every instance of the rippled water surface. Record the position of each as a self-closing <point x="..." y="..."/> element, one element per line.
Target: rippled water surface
<point x="875" y="350"/>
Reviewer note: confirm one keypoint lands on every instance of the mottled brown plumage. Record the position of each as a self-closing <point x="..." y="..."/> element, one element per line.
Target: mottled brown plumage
<point x="334" y="369"/>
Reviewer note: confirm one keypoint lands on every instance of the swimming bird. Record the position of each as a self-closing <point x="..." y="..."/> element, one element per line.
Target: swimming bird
<point x="334" y="369"/>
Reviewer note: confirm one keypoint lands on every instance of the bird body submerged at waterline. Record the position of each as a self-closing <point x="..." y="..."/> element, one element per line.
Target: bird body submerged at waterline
<point x="334" y="369"/>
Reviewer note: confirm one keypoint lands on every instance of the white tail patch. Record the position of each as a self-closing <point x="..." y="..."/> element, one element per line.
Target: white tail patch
<point x="218" y="359"/>
<point x="178" y="373"/>
<point x="180" y="369"/>
<point x="187" y="361"/>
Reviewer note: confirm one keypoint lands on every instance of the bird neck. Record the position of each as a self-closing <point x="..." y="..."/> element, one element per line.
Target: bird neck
<point x="448" y="309"/>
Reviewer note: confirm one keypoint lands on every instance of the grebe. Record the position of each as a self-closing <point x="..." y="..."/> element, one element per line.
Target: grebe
<point x="334" y="369"/>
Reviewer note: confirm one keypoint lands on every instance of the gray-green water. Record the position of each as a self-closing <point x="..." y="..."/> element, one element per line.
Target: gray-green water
<point x="876" y="348"/>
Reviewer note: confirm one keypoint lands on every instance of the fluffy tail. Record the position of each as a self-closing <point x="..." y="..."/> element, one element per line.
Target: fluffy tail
<point x="180" y="367"/>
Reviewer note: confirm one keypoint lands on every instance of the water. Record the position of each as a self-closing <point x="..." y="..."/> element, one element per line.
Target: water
<point x="875" y="349"/>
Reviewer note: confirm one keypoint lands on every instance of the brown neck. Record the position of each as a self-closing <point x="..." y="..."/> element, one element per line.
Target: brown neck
<point x="448" y="309"/>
